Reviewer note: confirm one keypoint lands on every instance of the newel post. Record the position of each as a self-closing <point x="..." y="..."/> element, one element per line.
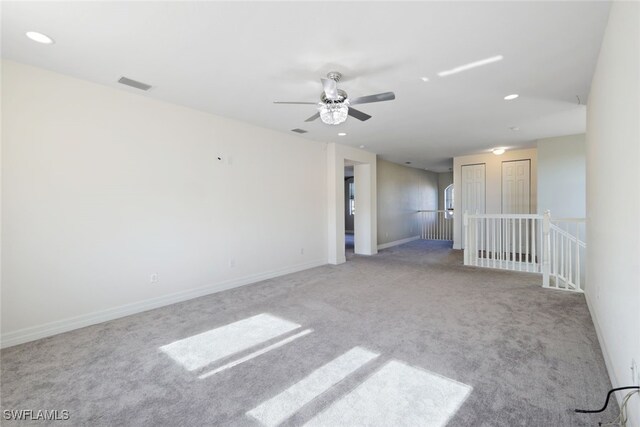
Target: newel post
<point x="546" y="253"/>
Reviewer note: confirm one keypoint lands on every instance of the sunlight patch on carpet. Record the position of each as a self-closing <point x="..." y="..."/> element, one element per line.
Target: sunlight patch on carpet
<point x="256" y="354"/>
<point x="397" y="394"/>
<point x="203" y="349"/>
<point x="277" y="409"/>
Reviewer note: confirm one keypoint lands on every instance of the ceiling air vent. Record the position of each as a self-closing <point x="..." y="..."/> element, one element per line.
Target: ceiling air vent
<point x="297" y="130"/>
<point x="133" y="83"/>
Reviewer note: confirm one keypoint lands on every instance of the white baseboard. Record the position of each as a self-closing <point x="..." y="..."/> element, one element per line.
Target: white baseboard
<point x="607" y="359"/>
<point x="398" y="242"/>
<point x="59" y="326"/>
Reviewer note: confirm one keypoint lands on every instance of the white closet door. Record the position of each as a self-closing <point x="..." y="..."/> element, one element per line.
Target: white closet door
<point x="516" y="187"/>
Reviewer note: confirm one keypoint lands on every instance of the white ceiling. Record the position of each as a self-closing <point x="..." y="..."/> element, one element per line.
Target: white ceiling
<point x="234" y="58"/>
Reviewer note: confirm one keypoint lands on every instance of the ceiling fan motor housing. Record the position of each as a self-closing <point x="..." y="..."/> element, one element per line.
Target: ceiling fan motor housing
<point x="342" y="97"/>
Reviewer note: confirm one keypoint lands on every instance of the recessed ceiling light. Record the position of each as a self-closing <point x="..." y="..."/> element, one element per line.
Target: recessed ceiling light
<point x="342" y="134"/>
<point x="511" y="97"/>
<point x="39" y="37"/>
<point x="514" y="128"/>
<point x="470" y="65"/>
<point x="407" y="163"/>
<point x="362" y="146"/>
<point x="498" y="151"/>
<point x="424" y="79"/>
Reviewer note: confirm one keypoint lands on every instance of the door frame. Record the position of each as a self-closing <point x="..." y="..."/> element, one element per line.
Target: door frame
<point x="365" y="221"/>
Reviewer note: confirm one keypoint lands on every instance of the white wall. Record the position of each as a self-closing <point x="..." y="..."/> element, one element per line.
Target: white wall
<point x="562" y="165"/>
<point x="493" y="184"/>
<point x="613" y="196"/>
<point x="402" y="191"/>
<point x="103" y="188"/>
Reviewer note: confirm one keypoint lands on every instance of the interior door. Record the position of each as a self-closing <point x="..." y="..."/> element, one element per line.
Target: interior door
<point x="473" y="190"/>
<point x="516" y="187"/>
<point x="516" y="199"/>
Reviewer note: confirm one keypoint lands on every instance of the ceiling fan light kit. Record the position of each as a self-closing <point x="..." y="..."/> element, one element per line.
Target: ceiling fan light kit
<point x="335" y="104"/>
<point x="333" y="114"/>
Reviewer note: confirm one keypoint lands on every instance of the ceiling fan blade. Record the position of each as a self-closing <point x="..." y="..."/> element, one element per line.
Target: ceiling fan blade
<point x="358" y="114"/>
<point x="330" y="88"/>
<point x="386" y="96"/>
<point x="312" y="118"/>
<point x="293" y="102"/>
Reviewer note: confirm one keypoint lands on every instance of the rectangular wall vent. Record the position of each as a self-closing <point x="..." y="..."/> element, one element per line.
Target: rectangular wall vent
<point x="296" y="130"/>
<point x="133" y="83"/>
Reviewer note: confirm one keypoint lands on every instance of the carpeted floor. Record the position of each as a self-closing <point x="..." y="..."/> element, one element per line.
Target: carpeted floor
<point x="407" y="337"/>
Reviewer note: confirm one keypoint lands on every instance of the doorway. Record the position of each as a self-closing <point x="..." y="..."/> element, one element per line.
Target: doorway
<point x="365" y="221"/>
<point x="349" y="209"/>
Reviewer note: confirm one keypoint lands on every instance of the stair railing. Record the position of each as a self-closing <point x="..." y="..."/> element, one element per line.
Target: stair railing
<point x="528" y="243"/>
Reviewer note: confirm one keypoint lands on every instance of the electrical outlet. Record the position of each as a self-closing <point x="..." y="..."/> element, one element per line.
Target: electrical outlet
<point x="232" y="263"/>
<point x="153" y="278"/>
<point x="301" y="251"/>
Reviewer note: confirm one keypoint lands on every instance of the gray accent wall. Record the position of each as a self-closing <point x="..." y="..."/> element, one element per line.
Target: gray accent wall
<point x="402" y="191"/>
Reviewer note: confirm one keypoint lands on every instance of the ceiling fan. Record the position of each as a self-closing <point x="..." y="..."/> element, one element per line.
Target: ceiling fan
<point x="335" y="105"/>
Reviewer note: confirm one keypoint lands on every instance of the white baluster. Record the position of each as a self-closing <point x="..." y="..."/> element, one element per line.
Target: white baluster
<point x="465" y="222"/>
<point x="578" y="283"/>
<point x="526" y="244"/>
<point x="533" y="245"/>
<point x="546" y="244"/>
<point x="520" y="243"/>
<point x="563" y="257"/>
<point x="569" y="249"/>
<point x="475" y="233"/>
<point x="483" y="252"/>
<point x="556" y="259"/>
<point x="498" y="255"/>
<point x="493" y="242"/>
<point x="500" y="248"/>
<point x="513" y="244"/>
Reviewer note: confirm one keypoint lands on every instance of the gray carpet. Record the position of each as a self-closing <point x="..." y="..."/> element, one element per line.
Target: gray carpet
<point x="407" y="337"/>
